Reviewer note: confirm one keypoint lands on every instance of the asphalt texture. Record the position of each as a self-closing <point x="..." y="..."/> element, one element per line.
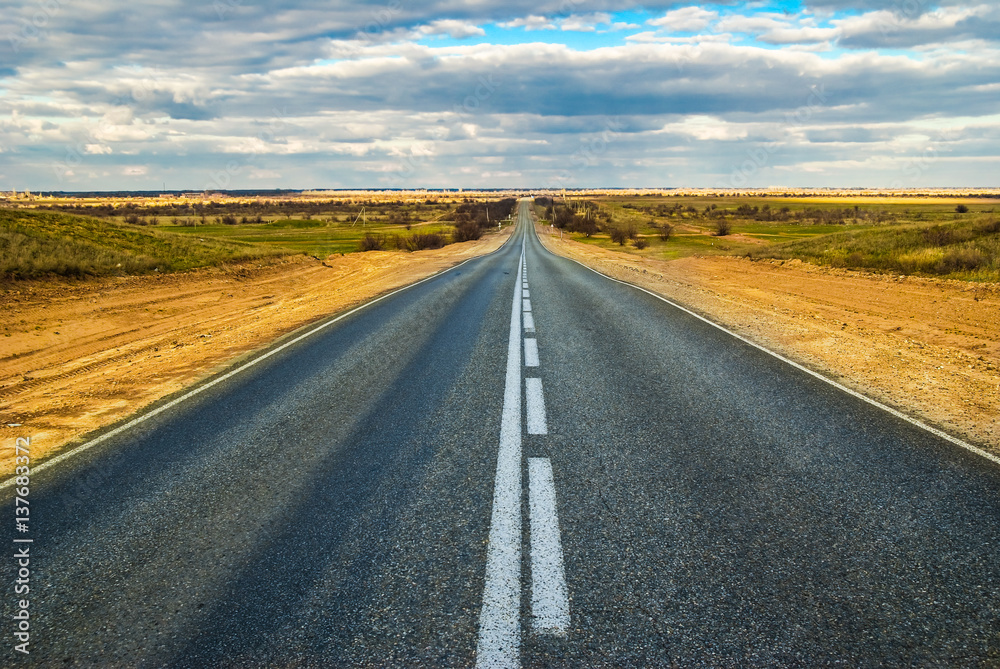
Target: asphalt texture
<point x="330" y="506"/>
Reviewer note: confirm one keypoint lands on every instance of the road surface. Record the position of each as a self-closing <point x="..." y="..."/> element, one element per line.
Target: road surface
<point x="517" y="462"/>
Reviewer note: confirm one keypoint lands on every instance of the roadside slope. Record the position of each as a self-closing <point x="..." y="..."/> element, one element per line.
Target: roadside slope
<point x="77" y="357"/>
<point x="929" y="347"/>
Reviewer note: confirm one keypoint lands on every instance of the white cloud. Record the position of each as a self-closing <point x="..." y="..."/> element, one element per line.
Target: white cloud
<point x="360" y="91"/>
<point x="687" y="19"/>
<point x="584" y="23"/>
<point x="452" y="28"/>
<point x="532" y="22"/>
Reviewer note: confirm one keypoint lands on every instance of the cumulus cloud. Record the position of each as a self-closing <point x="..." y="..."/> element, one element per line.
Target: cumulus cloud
<point x="308" y="94"/>
<point x="686" y="19"/>
<point x="532" y="22"/>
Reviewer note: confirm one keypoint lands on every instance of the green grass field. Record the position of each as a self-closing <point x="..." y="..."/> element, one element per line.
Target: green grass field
<point x="38" y="244"/>
<point x="312" y="237"/>
<point x="903" y="236"/>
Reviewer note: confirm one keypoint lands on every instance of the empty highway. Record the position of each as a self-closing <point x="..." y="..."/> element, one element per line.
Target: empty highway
<point x="517" y="462"/>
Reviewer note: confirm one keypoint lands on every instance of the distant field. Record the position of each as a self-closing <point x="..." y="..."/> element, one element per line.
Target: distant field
<point x="901" y="235"/>
<point x="312" y="237"/>
<point x="125" y="238"/>
<point x="38" y="244"/>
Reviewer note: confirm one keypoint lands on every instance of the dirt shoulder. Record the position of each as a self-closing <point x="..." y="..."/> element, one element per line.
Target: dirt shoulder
<point x="79" y="356"/>
<point x="930" y="348"/>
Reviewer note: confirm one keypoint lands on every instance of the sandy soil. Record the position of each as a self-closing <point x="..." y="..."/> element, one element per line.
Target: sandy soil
<point x="930" y="348"/>
<point x="80" y="356"/>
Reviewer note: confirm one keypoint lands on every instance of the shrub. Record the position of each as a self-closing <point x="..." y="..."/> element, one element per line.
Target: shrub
<point x="959" y="260"/>
<point x="938" y="236"/>
<point x="372" y="242"/>
<point x="723" y="227"/>
<point x="466" y="230"/>
<point x="618" y="236"/>
<point x="665" y="231"/>
<point x="641" y="242"/>
<point x="961" y="209"/>
<point x="420" y="241"/>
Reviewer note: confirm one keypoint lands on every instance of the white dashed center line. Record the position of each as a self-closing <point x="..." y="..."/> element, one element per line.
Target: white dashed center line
<point x="549" y="601"/>
<point x="526" y="305"/>
<point x="530" y="352"/>
<point x="536" y="406"/>
<point x="529" y="322"/>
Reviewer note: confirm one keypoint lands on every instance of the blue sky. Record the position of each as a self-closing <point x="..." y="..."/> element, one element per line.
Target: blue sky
<point x="112" y="95"/>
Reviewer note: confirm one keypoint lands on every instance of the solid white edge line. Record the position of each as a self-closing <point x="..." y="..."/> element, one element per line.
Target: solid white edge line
<point x="549" y="600"/>
<point x="499" y="643"/>
<point x="884" y="407"/>
<point x="535" y="398"/>
<point x="530" y="352"/>
<point x="51" y="462"/>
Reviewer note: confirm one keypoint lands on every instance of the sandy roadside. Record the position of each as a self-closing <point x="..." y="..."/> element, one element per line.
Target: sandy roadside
<point x="930" y="348"/>
<point x="79" y="356"/>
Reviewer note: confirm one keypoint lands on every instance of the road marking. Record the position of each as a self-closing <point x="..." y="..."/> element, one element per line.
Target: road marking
<point x="529" y="322"/>
<point x="530" y="352"/>
<point x="51" y="462"/>
<point x="549" y="601"/>
<point x="500" y="618"/>
<point x="536" y="406"/>
<point x="884" y="407"/>
<point x="526" y="305"/>
<point x="524" y="285"/>
<point x="524" y="291"/>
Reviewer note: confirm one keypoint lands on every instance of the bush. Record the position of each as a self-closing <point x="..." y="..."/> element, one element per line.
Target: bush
<point x="962" y="209"/>
<point x="723" y="227"/>
<point x="622" y="233"/>
<point x="959" y="260"/>
<point x="641" y="242"/>
<point x="466" y="230"/>
<point x="372" y="242"/>
<point x="420" y="241"/>
<point x="665" y="231"/>
<point x="938" y="236"/>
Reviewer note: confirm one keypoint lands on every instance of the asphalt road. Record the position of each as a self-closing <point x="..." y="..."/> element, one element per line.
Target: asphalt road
<point x="415" y="485"/>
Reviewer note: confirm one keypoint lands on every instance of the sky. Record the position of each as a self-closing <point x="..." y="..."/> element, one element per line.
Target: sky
<point x="234" y="94"/>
